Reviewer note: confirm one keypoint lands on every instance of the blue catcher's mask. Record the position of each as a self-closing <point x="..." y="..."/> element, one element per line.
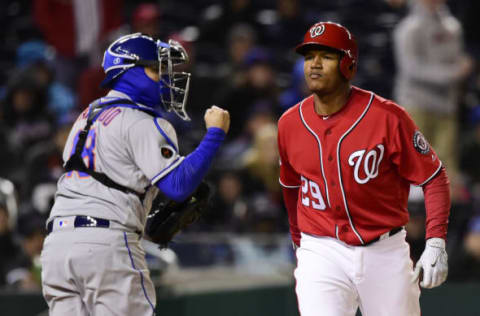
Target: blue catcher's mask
<point x="123" y="64"/>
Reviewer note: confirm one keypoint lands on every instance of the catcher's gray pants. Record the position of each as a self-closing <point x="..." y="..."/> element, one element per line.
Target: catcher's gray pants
<point x="96" y="272"/>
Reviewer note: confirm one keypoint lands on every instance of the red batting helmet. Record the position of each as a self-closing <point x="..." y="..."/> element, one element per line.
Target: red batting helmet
<point x="335" y="36"/>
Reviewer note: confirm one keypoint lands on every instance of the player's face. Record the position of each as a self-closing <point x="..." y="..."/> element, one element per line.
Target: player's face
<point x="321" y="70"/>
<point x="152" y="73"/>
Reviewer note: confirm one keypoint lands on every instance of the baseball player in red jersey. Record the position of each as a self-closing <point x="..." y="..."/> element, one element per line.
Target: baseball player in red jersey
<point x="348" y="158"/>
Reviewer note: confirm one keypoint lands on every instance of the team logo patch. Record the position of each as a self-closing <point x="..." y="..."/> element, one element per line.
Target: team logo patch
<point x="317" y="30"/>
<point x="370" y="161"/>
<point x="420" y="143"/>
<point x="166" y="152"/>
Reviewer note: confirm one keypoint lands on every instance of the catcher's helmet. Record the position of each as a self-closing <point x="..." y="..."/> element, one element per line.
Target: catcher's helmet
<point x="140" y="50"/>
<point x="335" y="36"/>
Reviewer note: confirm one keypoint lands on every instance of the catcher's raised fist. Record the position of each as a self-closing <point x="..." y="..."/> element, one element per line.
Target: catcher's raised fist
<point x="217" y="117"/>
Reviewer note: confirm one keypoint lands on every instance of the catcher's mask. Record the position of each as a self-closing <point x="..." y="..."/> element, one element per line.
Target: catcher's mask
<point x="336" y="36"/>
<point x="140" y="50"/>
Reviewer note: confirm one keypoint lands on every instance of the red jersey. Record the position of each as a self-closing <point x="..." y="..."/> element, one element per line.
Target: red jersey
<point x="354" y="168"/>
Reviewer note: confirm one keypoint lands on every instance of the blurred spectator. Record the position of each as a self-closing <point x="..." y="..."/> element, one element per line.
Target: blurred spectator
<point x="258" y="86"/>
<point x="465" y="259"/>
<point x="432" y="63"/>
<point x="298" y="89"/>
<point x="23" y="270"/>
<point x="248" y="198"/>
<point x="44" y="166"/>
<point x="8" y="248"/>
<point x="25" y="113"/>
<point x="467" y="12"/>
<point x="289" y="23"/>
<point x="8" y="194"/>
<point x="7" y="155"/>
<point x="74" y="27"/>
<point x="241" y="206"/>
<point x="146" y="20"/>
<point x="229" y="208"/>
<point x="259" y="115"/>
<point x="416" y="225"/>
<point x="261" y="161"/>
<point x="266" y="216"/>
<point x="396" y="3"/>
<point x="220" y="17"/>
<point x="27" y="122"/>
<point x="37" y="59"/>
<point x="88" y="87"/>
<point x="469" y="153"/>
<point x="241" y="39"/>
<point x="16" y="26"/>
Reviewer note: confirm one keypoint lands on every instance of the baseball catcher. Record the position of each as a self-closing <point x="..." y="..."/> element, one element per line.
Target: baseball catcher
<point x="121" y="154"/>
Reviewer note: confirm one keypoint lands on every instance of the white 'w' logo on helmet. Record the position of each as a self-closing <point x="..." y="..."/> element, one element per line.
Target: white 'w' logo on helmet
<point x="317" y="30"/>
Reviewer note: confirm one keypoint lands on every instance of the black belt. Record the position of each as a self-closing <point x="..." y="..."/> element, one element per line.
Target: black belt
<point x="84" y="221"/>
<point x="390" y="233"/>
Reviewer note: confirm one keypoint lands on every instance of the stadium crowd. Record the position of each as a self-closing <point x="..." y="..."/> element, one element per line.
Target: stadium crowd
<point x="241" y="58"/>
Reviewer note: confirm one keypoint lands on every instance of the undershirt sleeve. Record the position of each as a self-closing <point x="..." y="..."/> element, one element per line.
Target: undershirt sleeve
<point x="290" y="197"/>
<point x="437" y="205"/>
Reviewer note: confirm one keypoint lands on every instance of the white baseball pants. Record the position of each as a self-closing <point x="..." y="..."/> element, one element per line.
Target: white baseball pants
<point x="335" y="279"/>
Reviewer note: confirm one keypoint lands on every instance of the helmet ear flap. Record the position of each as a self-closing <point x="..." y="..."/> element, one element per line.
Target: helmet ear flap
<point x="348" y="67"/>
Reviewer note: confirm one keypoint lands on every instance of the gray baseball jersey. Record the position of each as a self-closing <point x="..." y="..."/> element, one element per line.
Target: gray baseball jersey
<point x="131" y="147"/>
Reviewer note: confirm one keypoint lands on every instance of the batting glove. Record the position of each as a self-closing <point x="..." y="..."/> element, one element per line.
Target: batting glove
<point x="433" y="262"/>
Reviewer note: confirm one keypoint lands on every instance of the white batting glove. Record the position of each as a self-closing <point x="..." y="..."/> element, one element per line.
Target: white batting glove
<point x="433" y="262"/>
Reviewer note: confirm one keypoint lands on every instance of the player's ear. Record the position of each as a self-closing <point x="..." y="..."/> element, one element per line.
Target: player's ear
<point x="152" y="73"/>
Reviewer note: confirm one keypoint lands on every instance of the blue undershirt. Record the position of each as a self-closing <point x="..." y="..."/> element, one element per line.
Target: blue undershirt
<point x="180" y="183"/>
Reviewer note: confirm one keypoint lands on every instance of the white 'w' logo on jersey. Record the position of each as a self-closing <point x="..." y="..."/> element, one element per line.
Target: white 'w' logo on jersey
<point x="370" y="163"/>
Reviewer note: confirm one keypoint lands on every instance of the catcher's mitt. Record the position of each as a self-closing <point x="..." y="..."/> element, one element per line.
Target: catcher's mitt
<point x="168" y="217"/>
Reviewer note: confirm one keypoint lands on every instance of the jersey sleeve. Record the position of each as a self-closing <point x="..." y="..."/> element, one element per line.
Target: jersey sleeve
<point x="415" y="159"/>
<point x="154" y="147"/>
<point x="289" y="178"/>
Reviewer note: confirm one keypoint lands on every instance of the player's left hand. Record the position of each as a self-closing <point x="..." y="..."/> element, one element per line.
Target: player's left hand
<point x="433" y="262"/>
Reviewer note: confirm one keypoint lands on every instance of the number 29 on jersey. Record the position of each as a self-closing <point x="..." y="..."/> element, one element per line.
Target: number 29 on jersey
<point x="311" y="194"/>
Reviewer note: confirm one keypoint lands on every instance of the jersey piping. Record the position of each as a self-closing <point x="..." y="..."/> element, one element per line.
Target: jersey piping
<point x="339" y="166"/>
<point x="142" y="278"/>
<point x="319" y="148"/>
<point x="165" y="135"/>
<point x="432" y="176"/>
<point x="287" y="186"/>
<point x="167" y="169"/>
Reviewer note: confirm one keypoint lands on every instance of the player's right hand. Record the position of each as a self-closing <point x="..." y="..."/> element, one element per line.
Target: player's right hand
<point x="217" y="117"/>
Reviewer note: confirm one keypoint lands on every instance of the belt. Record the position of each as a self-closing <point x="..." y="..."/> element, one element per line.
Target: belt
<point x="78" y="221"/>
<point x="383" y="236"/>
